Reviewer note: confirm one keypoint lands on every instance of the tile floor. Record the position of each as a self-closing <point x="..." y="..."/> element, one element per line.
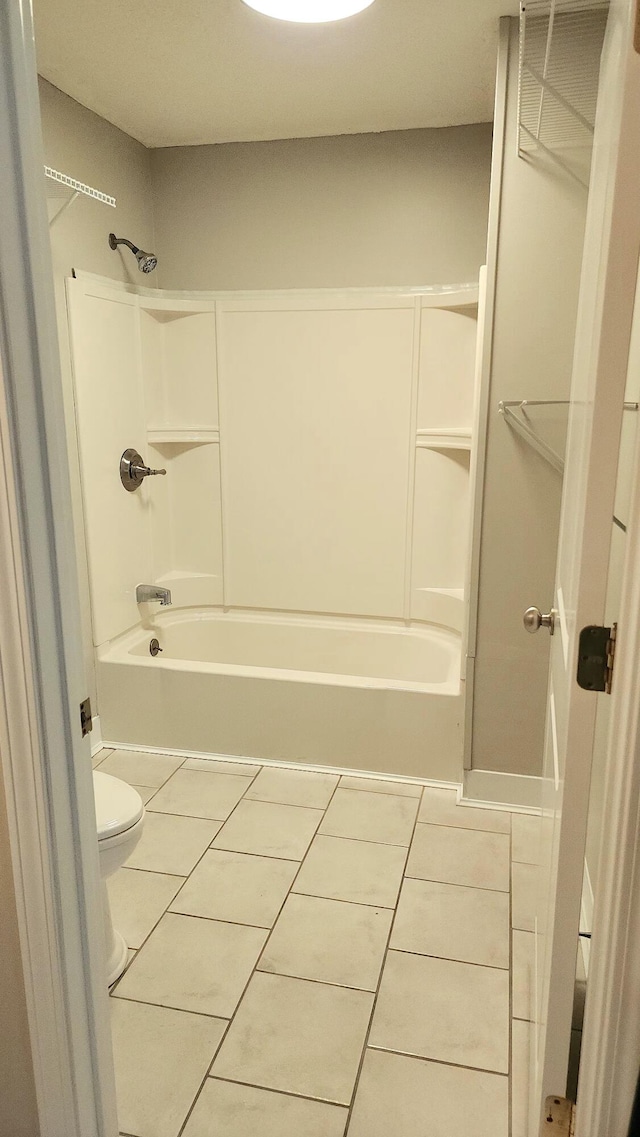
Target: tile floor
<point x="317" y="956"/>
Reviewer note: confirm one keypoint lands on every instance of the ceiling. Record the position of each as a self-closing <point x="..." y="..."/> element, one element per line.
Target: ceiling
<point x="186" y="72"/>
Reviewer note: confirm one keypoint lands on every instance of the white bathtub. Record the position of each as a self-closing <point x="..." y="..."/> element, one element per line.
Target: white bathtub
<point x="360" y="694"/>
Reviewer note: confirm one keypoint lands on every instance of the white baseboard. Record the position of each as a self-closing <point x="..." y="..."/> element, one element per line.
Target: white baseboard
<point x="496" y="790"/>
<point x="96" y="736"/>
<point x="284" y="765"/>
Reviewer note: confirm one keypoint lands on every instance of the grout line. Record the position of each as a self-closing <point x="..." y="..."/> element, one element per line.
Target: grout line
<point x="288" y="804"/>
<point x="438" y="1061"/>
<point x="448" y="959"/>
<point x="477" y="887"/>
<point x="273" y="1090"/>
<point x="367" y="1036"/>
<point x="172" y="1007"/>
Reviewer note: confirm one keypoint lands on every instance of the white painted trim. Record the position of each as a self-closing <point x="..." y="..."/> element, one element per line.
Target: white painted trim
<point x="96" y="736"/>
<point x="481" y="414"/>
<point x="495" y="788"/>
<point x="47" y="771"/>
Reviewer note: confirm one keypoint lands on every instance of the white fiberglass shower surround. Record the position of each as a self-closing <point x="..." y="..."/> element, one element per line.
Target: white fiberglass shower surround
<point x="313" y="524"/>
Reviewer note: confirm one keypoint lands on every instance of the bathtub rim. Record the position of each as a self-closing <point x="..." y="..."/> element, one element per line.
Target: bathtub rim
<point x="119" y="649"/>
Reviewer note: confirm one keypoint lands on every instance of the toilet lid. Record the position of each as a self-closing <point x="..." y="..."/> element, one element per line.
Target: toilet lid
<point x="118" y="806"/>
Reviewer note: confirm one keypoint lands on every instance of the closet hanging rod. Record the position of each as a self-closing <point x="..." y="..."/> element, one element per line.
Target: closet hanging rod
<point x="508" y="408"/>
<point x="508" y="403"/>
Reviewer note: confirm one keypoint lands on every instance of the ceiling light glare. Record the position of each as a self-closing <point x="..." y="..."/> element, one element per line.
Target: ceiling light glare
<point x="309" y="11"/>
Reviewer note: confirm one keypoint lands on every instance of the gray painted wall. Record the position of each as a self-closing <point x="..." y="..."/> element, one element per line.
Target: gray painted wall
<point x="541" y="230"/>
<point x="404" y="207"/>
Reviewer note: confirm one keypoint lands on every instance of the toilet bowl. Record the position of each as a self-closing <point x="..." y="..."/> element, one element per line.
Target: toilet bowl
<point x="120" y="819"/>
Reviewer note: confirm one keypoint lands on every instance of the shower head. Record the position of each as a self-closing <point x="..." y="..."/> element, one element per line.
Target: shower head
<point x="146" y="261"/>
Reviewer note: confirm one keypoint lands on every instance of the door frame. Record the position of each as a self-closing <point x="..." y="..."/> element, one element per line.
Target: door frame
<point x="46" y="765"/>
<point x="44" y="762"/>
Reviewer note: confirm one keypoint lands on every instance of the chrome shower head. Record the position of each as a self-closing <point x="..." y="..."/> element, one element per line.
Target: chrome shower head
<point x="146" y="261"/>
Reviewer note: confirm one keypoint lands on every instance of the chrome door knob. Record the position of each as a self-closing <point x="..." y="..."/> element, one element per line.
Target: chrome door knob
<point x="534" y="619"/>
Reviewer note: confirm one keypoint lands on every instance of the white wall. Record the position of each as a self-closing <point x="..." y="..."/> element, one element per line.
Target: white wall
<point x="540" y="236"/>
<point x="81" y="144"/>
<point x="399" y="208"/>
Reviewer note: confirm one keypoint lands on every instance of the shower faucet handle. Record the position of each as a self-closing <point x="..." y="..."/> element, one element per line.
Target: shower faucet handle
<point x="146" y="471"/>
<point x="133" y="470"/>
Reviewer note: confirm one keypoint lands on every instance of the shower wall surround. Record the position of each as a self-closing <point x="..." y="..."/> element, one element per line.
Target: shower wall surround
<point x="316" y="446"/>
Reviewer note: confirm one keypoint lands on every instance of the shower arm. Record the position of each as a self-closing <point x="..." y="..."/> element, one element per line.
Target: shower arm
<point x="123" y="241"/>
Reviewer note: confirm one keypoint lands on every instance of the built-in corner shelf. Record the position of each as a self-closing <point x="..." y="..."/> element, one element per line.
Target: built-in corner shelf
<point x="189" y="434"/>
<point x="456" y="438"/>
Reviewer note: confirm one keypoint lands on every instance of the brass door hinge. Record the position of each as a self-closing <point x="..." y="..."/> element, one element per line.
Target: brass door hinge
<point x="559" y="1118"/>
<point x="86" y="718"/>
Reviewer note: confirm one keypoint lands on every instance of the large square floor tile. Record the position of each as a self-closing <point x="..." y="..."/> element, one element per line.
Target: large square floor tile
<point x="195" y="793"/>
<point x="460" y="856"/>
<point x="439" y="807"/>
<point x="299" y="1037"/>
<point x="525" y="838"/>
<point x="138" y="900"/>
<point x="368" y="816"/>
<point x="522" y="973"/>
<point x="524" y="891"/>
<point x="194" y="965"/>
<point x="161" y="1057"/>
<point x="146" y="792"/>
<point x="269" y="830"/>
<point x="380" y="786"/>
<point x="360" y="871"/>
<point x="409" y="1097"/>
<point x="451" y="1012"/>
<point x="293" y="787"/>
<point x="236" y="887"/>
<point x="329" y="941"/>
<point x="225" y="1109"/>
<point x="172" y="844"/>
<point x="452" y="922"/>
<point x="140" y="769"/>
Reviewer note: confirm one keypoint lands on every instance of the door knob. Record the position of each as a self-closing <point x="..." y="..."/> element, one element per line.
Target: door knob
<point x="534" y="619"/>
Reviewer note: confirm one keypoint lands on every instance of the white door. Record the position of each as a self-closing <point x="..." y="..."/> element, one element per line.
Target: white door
<point x="612" y="241"/>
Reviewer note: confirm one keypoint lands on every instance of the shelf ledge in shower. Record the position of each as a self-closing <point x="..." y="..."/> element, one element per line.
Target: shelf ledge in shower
<point x="194" y="434"/>
<point x="456" y="438"/>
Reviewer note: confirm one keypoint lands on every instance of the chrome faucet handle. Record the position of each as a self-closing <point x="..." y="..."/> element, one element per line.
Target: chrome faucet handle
<point x="133" y="470"/>
<point x="145" y="471"/>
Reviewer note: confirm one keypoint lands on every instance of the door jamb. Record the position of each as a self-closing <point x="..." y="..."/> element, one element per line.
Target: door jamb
<point x="44" y="763"/>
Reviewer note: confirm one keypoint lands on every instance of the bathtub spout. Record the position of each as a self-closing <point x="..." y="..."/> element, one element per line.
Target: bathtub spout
<point x="145" y="592"/>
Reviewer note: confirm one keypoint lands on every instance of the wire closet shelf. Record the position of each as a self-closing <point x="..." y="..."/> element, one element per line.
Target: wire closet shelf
<point x="67" y="189"/>
<point x="558" y="70"/>
<point x="515" y="414"/>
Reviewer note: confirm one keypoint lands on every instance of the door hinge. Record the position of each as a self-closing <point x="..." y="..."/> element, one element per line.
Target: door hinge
<point x="86" y="718"/>
<point x="596" y="657"/>
<point x="559" y="1115"/>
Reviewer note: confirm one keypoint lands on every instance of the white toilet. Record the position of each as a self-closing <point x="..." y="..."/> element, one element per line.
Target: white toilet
<point x="120" y="819"/>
